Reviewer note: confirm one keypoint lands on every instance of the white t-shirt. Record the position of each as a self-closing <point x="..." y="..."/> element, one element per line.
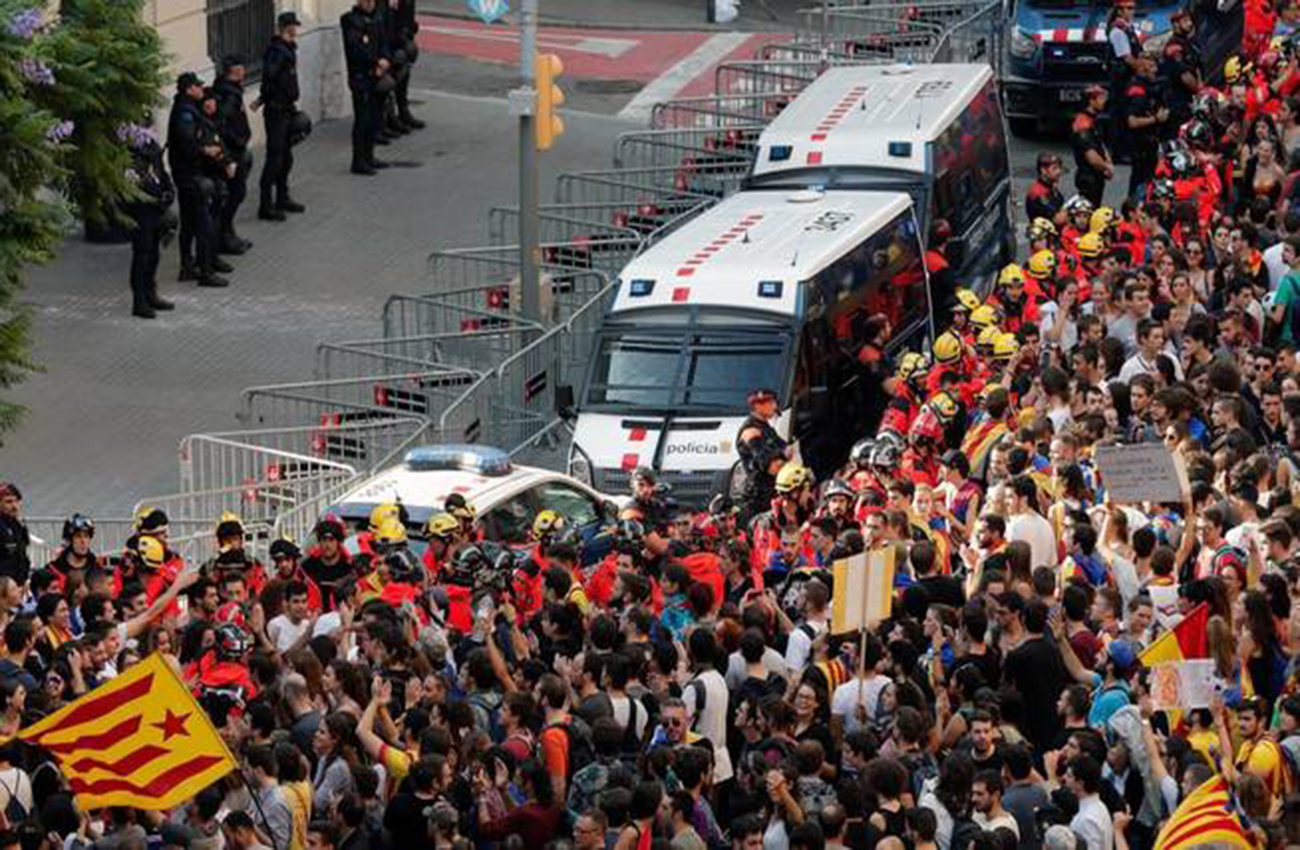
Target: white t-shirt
<point x="712" y="723"/>
<point x="284" y="634"/>
<point x="844" y="701"/>
<point x="988" y="824"/>
<point x="1037" y="532"/>
<point x="799" y="646"/>
<point x="625" y="707"/>
<point x="1277" y="267"/>
<point x="14" y="782"/>
<point x="1093" y="824"/>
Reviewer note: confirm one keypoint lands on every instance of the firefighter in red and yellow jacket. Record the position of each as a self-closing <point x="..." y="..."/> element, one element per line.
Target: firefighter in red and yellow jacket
<point x="1078" y="212"/>
<point x="222" y="673"/>
<point x="1014" y="298"/>
<point x="286" y="558"/>
<point x="943" y="281"/>
<point x="230" y="538"/>
<point x="925" y="442"/>
<point x="442" y="534"/>
<point x="791" y="508"/>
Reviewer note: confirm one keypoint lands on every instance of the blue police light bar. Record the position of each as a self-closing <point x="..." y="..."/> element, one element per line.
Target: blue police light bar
<point x="900" y="149"/>
<point x="770" y="288"/>
<point x="482" y="460"/>
<point x="780" y="153"/>
<point x="640" y="288"/>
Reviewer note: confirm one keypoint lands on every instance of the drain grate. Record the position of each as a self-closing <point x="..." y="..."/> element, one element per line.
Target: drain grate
<point x="609" y="86"/>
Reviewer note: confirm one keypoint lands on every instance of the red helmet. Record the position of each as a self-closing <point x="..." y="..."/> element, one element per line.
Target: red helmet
<point x="926" y="426"/>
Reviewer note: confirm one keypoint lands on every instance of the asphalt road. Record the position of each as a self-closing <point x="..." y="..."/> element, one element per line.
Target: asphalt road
<point x="117" y="394"/>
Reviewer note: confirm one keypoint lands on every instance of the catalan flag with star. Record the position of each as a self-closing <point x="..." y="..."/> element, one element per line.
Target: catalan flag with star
<point x="139" y="740"/>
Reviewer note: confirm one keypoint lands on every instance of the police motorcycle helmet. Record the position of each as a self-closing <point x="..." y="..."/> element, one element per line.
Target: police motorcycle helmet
<point x="78" y="523"/>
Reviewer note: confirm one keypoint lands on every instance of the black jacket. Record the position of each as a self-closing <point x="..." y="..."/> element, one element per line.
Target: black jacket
<point x="231" y="117"/>
<point x="185" y="138"/>
<point x="363" y="46"/>
<point x="280" y="75"/>
<point x="14" y="542"/>
<point x="152" y="178"/>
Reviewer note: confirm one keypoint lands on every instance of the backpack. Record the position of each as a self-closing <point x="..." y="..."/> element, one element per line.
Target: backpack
<point x="14" y="811"/>
<point x="581" y="752"/>
<point x="631" y="740"/>
<point x="495" y="730"/>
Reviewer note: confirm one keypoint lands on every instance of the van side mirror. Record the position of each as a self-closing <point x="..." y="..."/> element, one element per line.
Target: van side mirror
<point x="564" y="401"/>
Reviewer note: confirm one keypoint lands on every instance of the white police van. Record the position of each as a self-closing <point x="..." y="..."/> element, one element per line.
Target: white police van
<point x="935" y="132"/>
<point x="767" y="289"/>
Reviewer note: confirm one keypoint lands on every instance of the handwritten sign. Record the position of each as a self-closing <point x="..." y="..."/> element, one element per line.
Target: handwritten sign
<point x="864" y="590"/>
<point x="1146" y="472"/>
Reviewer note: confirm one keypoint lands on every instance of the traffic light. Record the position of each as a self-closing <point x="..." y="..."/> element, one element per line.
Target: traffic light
<point x="549" y="97"/>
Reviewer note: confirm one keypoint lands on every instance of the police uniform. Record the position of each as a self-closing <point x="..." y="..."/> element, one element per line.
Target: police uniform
<point x="756" y="454"/>
<point x="236" y="134"/>
<point x="188" y="133"/>
<point x="1143" y="142"/>
<point x="1181" y="56"/>
<point x="152" y="219"/>
<point x="279" y="99"/>
<point x="1043" y="200"/>
<point x="1121" y="32"/>
<point x="363" y="46"/>
<point x="1085" y="135"/>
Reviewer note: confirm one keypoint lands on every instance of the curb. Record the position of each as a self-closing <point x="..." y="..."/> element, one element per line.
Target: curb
<point x="547" y="20"/>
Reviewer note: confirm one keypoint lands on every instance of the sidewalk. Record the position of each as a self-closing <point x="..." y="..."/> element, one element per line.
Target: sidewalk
<point x="640" y="14"/>
<point x="119" y="393"/>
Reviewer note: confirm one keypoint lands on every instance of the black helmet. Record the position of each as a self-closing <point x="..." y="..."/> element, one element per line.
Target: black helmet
<point x="299" y="127"/>
<point x="331" y="527"/>
<point x="643" y="474"/>
<point x="75" y="523"/>
<point x="468" y="561"/>
<point x="860" y="454"/>
<point x="232" y="642"/>
<point x="403" y="567"/>
<point x="1199" y="134"/>
<point x="838" y="487"/>
<point x="886" y="456"/>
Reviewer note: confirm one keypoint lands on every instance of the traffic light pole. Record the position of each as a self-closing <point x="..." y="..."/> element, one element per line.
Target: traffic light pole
<point x="529" y="248"/>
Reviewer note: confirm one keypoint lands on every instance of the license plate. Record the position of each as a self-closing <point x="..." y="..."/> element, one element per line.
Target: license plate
<point x="1071" y="95"/>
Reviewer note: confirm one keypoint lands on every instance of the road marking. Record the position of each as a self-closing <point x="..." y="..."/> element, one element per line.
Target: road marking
<point x="676" y="78"/>
<point x="611" y="48"/>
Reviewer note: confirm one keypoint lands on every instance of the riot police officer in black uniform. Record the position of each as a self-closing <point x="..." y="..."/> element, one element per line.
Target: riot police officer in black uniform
<point x="368" y="63"/>
<point x="232" y="121"/>
<point x="192" y="146"/>
<point x="153" y="221"/>
<point x="1182" y="68"/>
<point x="759" y="447"/>
<point x="403" y="26"/>
<point x="1092" y="162"/>
<point x="279" y="102"/>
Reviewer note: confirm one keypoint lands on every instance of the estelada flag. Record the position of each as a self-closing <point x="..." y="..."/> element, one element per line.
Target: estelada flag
<point x="140" y="740"/>
<point x="1184" y="641"/>
<point x="1207" y="818"/>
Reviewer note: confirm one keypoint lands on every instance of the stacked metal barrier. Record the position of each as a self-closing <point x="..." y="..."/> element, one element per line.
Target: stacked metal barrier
<point x="457" y="361"/>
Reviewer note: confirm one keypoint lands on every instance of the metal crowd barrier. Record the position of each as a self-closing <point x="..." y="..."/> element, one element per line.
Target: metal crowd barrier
<point x="488" y="279"/>
<point x="376" y="398"/>
<point x="720" y="157"/>
<point x="717" y="111"/>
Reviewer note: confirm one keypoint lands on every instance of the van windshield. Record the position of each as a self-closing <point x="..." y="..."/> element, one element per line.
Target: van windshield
<point x="845" y="177"/>
<point x="702" y="370"/>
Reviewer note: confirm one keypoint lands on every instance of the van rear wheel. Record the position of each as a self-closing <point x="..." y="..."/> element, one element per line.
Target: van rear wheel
<point x="1023" y="127"/>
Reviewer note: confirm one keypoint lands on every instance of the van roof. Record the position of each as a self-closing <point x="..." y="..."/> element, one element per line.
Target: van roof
<point x="850" y="116"/>
<point x="753" y="249"/>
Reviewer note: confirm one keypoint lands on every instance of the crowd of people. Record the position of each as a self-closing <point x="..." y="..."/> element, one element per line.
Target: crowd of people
<point x="676" y="681"/>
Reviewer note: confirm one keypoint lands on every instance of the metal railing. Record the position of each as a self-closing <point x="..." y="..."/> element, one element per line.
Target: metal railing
<point x="349" y="401"/>
<point x="718" y="111"/>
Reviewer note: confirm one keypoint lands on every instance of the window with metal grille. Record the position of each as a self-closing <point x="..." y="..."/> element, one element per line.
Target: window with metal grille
<point x="242" y="27"/>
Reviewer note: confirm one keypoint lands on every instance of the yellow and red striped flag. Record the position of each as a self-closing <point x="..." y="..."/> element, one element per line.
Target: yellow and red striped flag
<point x="139" y="740"/>
<point x="1207" y="818"/>
<point x="1183" y="642"/>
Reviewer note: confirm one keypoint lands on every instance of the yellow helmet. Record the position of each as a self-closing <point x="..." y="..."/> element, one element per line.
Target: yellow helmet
<point x="1011" y="273"/>
<point x="944" y="406"/>
<point x="911" y="364"/>
<point x="547" y="523"/>
<point x="1101" y="220"/>
<point x="388" y="510"/>
<point x="968" y="299"/>
<point x="1234" y="68"/>
<point x="947" y="348"/>
<point x="1091" y="246"/>
<point x="140" y="514"/>
<point x="984" y="342"/>
<point x="988" y="390"/>
<point x="1006" y="347"/>
<point x="984" y="316"/>
<point x="441" y="526"/>
<point x="792" y="477"/>
<point x="1042" y="265"/>
<point x="390" y="531"/>
<point x="1042" y="226"/>
<point x="152" y="552"/>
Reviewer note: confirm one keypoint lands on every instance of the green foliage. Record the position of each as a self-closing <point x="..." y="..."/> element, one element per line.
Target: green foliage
<point x="108" y="68"/>
<point x="31" y="217"/>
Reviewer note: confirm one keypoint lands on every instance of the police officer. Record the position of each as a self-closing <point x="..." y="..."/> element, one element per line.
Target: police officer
<point x="191" y="148"/>
<point x="279" y="102"/>
<point x="403" y="26"/>
<point x="232" y="121"/>
<point x="1044" y="199"/>
<point x="1125" y="47"/>
<point x="153" y="220"/>
<point x="368" y="63"/>
<point x="1181" y="62"/>
<point x="761" y="452"/>
<point x="15" y="562"/>
<point x="1146" y="120"/>
<point x="1092" y="163"/>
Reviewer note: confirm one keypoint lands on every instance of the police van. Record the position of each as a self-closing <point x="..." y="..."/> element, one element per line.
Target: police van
<point x="767" y="289"/>
<point x="935" y="132"/>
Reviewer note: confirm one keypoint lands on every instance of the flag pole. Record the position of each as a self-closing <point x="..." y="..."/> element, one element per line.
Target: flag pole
<point x="257" y="803"/>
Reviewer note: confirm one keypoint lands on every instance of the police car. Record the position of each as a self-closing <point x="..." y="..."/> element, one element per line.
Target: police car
<point x="506" y="497"/>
